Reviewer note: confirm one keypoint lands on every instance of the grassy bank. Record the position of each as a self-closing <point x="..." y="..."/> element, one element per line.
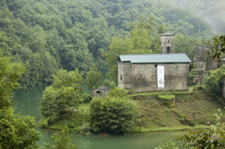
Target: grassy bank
<point x="159" y="111"/>
<point x="175" y="111"/>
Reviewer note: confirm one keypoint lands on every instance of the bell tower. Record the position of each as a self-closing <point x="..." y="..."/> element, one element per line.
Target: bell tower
<point x="166" y="40"/>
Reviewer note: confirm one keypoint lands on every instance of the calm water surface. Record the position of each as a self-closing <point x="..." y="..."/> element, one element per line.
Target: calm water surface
<point x="26" y="102"/>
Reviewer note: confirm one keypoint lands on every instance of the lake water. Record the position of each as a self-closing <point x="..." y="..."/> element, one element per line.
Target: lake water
<point x="26" y="102"/>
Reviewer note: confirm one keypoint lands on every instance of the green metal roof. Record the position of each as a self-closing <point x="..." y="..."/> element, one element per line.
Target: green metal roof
<point x="155" y="58"/>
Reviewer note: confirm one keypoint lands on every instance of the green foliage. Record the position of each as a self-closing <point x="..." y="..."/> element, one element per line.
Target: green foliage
<point x="185" y="44"/>
<point x="118" y="92"/>
<point x="109" y="83"/>
<point x="62" y="139"/>
<point x="213" y="84"/>
<point x="93" y="78"/>
<point x="218" y="47"/>
<point x="211" y="138"/>
<point x="59" y="101"/>
<point x="9" y="75"/>
<point x="112" y="115"/>
<point x="86" y="98"/>
<point x="65" y="78"/>
<point x="169" y="145"/>
<point x="52" y="35"/>
<point x="166" y="96"/>
<point x="63" y="96"/>
<point x="167" y="99"/>
<point x="139" y="41"/>
<point x="15" y="131"/>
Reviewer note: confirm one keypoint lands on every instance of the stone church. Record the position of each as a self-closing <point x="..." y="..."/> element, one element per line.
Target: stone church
<point x="154" y="72"/>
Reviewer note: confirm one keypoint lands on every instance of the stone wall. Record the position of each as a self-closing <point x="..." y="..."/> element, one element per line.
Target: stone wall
<point x="143" y="77"/>
<point x="124" y="75"/>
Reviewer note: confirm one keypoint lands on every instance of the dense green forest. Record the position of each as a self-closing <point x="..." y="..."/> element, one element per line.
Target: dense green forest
<point x="48" y="35"/>
<point x="211" y="11"/>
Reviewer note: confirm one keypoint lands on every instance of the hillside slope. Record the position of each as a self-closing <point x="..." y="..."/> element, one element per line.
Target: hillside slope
<point x="177" y="110"/>
<point x="71" y="34"/>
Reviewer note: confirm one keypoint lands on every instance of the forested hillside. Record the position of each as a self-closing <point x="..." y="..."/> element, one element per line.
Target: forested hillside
<point x="212" y="11"/>
<point x="48" y="35"/>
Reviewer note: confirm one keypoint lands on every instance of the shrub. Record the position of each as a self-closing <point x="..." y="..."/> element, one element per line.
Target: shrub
<point x="213" y="137"/>
<point x="109" y="83"/>
<point x="214" y="82"/>
<point x="168" y="145"/>
<point x="86" y="98"/>
<point x="57" y="102"/>
<point x="112" y="115"/>
<point x="118" y="92"/>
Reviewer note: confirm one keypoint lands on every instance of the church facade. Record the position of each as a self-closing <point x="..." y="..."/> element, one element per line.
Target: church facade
<point x="154" y="72"/>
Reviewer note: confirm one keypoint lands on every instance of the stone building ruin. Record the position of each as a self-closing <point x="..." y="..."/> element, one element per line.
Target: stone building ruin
<point x="202" y="63"/>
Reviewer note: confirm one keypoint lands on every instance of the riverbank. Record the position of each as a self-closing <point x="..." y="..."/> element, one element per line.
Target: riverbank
<point x="167" y="129"/>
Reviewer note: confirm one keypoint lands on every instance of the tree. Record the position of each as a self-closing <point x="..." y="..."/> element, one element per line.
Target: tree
<point x="9" y="75"/>
<point x="138" y="41"/>
<point x="218" y="48"/>
<point x="112" y="115"/>
<point x="213" y="84"/>
<point x="15" y="131"/>
<point x="63" y="96"/>
<point x="65" y="78"/>
<point x="62" y="139"/>
<point x="93" y="78"/>
<point x="185" y="44"/>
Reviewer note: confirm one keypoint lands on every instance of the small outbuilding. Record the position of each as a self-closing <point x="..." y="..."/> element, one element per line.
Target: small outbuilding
<point x="153" y="72"/>
<point x="100" y="91"/>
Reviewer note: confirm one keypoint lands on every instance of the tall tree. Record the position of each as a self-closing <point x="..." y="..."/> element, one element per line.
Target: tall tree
<point x="15" y="131"/>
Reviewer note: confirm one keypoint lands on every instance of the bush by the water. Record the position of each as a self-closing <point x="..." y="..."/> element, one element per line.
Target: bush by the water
<point x="63" y="97"/>
<point x="112" y="115"/>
